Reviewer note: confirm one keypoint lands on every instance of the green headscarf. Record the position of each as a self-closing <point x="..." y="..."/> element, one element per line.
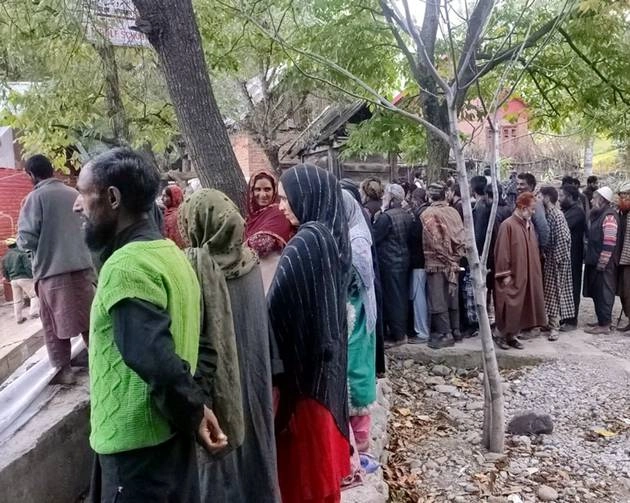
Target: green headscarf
<point x="209" y="219"/>
<point x="211" y="224"/>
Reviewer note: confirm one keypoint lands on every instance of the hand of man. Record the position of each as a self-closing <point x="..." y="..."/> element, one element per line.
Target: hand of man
<point x="209" y="433"/>
<point x="507" y="281"/>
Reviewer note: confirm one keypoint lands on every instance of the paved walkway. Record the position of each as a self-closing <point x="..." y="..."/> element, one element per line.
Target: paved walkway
<point x="467" y="354"/>
<point x="17" y="342"/>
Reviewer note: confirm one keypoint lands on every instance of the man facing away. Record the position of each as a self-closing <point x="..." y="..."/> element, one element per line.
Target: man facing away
<point x="392" y="235"/>
<point x="62" y="266"/>
<point x="519" y="301"/>
<point x="576" y="220"/>
<point x="444" y="246"/>
<point x="557" y="266"/>
<point x="16" y="267"/>
<point x="600" y="272"/>
<point x="623" y="276"/>
<point x="144" y="342"/>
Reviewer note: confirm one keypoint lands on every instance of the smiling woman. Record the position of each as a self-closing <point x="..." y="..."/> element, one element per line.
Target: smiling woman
<point x="267" y="228"/>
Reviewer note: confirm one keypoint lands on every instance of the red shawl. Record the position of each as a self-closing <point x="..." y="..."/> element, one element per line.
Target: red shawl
<point x="171" y="229"/>
<point x="268" y="219"/>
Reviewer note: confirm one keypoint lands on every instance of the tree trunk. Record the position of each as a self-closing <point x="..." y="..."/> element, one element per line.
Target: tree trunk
<point x="588" y="156"/>
<point x="171" y="28"/>
<point x="115" y="106"/>
<point x="494" y="418"/>
<point x="438" y="150"/>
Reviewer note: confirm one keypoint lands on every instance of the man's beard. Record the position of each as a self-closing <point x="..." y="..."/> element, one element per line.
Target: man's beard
<point x="596" y="212"/>
<point x="97" y="236"/>
<point x="624" y="204"/>
<point x="566" y="204"/>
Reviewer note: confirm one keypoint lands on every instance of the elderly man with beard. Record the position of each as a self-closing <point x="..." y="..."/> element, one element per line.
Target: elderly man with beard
<point x="519" y="299"/>
<point x="144" y="342"/>
<point x="600" y="275"/>
<point x="571" y="206"/>
<point x="393" y="231"/>
<point x="623" y="276"/>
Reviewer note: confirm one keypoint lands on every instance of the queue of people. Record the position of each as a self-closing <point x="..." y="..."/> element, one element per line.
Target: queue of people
<point x="236" y="359"/>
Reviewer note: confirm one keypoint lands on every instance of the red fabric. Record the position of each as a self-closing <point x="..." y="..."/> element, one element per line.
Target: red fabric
<point x="313" y="456"/>
<point x="269" y="219"/>
<point x="171" y="228"/>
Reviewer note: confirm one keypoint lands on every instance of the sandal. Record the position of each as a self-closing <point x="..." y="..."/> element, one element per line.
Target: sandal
<point x="369" y="463"/>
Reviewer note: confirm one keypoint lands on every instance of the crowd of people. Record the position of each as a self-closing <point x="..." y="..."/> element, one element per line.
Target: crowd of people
<point x="543" y="240"/>
<point x="236" y="359"/>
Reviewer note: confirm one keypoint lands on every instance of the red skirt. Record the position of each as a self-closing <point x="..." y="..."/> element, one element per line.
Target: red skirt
<point x="313" y="456"/>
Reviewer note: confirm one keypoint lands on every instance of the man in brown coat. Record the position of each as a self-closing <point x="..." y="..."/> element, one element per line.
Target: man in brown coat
<point x="519" y="299"/>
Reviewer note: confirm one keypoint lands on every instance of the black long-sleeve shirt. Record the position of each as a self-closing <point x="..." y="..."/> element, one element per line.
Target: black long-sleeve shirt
<point x="144" y="340"/>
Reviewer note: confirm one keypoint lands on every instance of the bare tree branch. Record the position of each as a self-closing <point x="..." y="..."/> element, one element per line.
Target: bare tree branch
<point x="377" y="99"/>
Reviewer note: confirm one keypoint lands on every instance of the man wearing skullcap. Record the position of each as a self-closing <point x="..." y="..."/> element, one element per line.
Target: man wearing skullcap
<point x="392" y="235"/>
<point x="444" y="246"/>
<point x="600" y="274"/>
<point x="623" y="274"/>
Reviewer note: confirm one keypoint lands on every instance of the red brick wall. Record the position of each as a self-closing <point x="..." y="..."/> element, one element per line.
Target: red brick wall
<point x="14" y="187"/>
<point x="251" y="157"/>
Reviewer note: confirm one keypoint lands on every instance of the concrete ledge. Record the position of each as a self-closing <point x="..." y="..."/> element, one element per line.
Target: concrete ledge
<point x="19" y="353"/>
<point x="467" y="354"/>
<point x="49" y="459"/>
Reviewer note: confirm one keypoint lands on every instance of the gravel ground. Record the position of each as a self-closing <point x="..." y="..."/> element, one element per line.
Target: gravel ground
<point x="436" y="422"/>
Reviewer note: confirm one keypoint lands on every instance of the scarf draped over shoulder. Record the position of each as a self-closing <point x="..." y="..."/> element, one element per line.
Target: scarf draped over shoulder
<point x="268" y="219"/>
<point x="307" y="298"/>
<point x="213" y="227"/>
<point x="361" y="244"/>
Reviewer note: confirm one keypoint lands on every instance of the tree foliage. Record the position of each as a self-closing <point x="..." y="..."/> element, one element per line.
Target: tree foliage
<point x="44" y="43"/>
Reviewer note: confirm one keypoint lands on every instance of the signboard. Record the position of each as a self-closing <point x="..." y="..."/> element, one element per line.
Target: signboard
<point x="111" y="19"/>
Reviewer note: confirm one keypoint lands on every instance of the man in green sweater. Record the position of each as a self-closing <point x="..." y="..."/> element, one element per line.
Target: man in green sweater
<point x="144" y="339"/>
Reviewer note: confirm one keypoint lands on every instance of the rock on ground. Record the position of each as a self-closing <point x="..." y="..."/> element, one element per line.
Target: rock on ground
<point x="374" y="488"/>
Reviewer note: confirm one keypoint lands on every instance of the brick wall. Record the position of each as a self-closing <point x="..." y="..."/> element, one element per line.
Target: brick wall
<point x="15" y="185"/>
<point x="251" y="157"/>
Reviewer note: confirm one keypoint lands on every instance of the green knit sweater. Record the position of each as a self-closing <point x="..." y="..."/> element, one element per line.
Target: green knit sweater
<point x="123" y="415"/>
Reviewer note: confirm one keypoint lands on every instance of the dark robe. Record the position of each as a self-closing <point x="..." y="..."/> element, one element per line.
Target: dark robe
<point x="247" y="473"/>
<point x="623" y="276"/>
<point x="521" y="304"/>
<point x="576" y="220"/>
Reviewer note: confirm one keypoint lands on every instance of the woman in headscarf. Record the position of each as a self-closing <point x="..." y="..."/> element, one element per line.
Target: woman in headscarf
<point x="172" y="198"/>
<point x="361" y="324"/>
<point x="268" y="230"/>
<point x="353" y="188"/>
<point x="234" y="316"/>
<point x="307" y="306"/>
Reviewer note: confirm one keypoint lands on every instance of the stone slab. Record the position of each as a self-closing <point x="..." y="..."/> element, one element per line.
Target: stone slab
<point x="49" y="459"/>
<point x="467" y="354"/>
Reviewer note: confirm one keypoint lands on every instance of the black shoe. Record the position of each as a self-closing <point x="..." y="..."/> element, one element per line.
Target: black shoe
<point x="441" y="341"/>
<point x="500" y="342"/>
<point x="457" y="336"/>
<point x="514" y="343"/>
<point x="624" y="329"/>
<point x="568" y="327"/>
<point x="395" y="344"/>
